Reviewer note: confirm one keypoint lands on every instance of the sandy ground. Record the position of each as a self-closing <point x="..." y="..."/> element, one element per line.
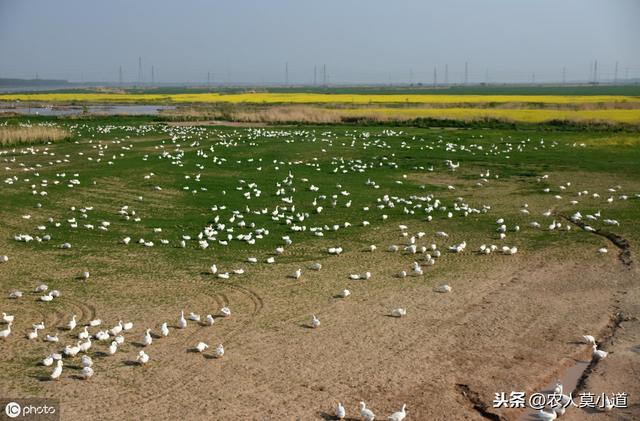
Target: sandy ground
<point x="511" y="323"/>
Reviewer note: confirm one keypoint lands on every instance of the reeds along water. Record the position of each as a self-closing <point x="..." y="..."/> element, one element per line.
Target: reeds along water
<point x="34" y="134"/>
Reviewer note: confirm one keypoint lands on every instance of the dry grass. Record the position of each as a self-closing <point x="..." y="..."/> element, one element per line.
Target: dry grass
<point x="289" y="115"/>
<point x="12" y="135"/>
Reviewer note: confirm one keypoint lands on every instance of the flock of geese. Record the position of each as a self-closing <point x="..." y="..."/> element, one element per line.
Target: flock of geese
<point x="239" y="225"/>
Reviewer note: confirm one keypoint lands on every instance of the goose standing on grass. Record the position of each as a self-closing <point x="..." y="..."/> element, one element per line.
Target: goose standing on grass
<point x="113" y="347"/>
<point x="84" y="334"/>
<point x="47" y="361"/>
<point x="210" y="320"/>
<point x="57" y="371"/>
<point x="147" y="339"/>
<point x="86" y="361"/>
<point x="72" y="323"/>
<point x="400" y="415"/>
<point x="182" y="322"/>
<point x="366" y="413"/>
<point x="51" y="338"/>
<point x="194" y="317"/>
<point x="164" y="329"/>
<point x="5" y="333"/>
<point x="6" y="318"/>
<point x="340" y="412"/>
<point x="33" y="335"/>
<point x="142" y="358"/>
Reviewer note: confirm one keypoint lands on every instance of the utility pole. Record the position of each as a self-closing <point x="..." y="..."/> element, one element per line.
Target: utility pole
<point x="140" y="70"/>
<point x="324" y="74"/>
<point x="286" y="73"/>
<point x="615" y="74"/>
<point x="315" y="75"/>
<point x="486" y="76"/>
<point x="435" y="76"/>
<point x="446" y="74"/>
<point x="410" y="76"/>
<point x="120" y="75"/>
<point x="466" y="72"/>
<point x="564" y="75"/>
<point x="208" y="78"/>
<point x="153" y="76"/>
<point x="595" y="72"/>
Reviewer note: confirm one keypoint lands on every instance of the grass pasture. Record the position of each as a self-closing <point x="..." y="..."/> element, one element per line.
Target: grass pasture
<point x="323" y="185"/>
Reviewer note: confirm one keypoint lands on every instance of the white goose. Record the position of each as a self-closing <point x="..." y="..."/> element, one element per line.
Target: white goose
<point x="315" y="322"/>
<point x="598" y="354"/>
<point x="5" y="333"/>
<point x="194" y="317"/>
<point x="47" y="361"/>
<point x="86" y="361"/>
<point x="87" y="373"/>
<point x="142" y="358"/>
<point x="210" y="320"/>
<point x="72" y="323"/>
<point x="147" y="339"/>
<point x="400" y="415"/>
<point x="547" y="416"/>
<point x="219" y="351"/>
<point x="51" y="338"/>
<point x="84" y="334"/>
<point x="33" y="335"/>
<point x="6" y="318"/>
<point x="225" y="311"/>
<point x="57" y="371"/>
<point x="399" y="312"/>
<point x="201" y="346"/>
<point x="340" y="411"/>
<point x="164" y="329"/>
<point x="182" y="322"/>
<point x="344" y="293"/>
<point x="588" y="339"/>
<point x="366" y="413"/>
<point x="113" y="347"/>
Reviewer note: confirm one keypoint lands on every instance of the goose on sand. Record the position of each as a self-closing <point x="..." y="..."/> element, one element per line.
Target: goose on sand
<point x="182" y="322"/>
<point x="400" y="415"/>
<point x="340" y="412"/>
<point x="366" y="413"/>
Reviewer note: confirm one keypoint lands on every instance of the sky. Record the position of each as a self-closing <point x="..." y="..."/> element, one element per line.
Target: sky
<point x="365" y="41"/>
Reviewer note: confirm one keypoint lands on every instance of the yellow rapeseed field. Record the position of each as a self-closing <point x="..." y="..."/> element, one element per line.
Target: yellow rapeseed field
<point x="317" y="98"/>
